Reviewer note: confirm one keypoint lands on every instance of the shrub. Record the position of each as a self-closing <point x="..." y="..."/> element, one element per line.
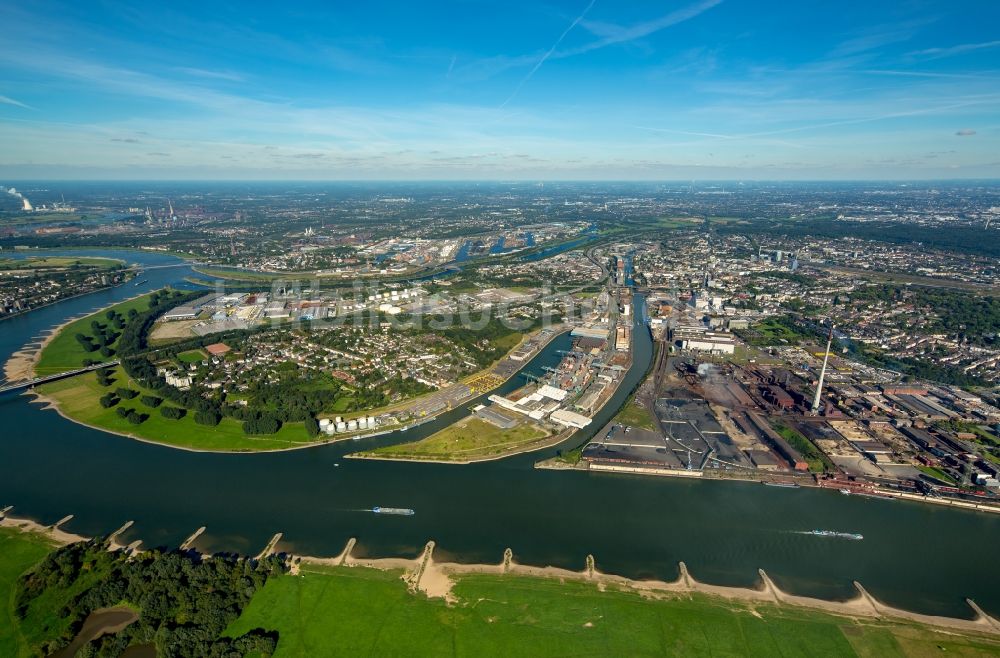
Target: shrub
<point x="126" y="393"/>
<point x="109" y="400"/>
<point x="151" y="401"/>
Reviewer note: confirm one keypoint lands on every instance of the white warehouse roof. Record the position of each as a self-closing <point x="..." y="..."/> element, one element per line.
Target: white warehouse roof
<point x="569" y="418"/>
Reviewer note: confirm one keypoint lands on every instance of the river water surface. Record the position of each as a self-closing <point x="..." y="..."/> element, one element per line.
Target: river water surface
<point x="917" y="556"/>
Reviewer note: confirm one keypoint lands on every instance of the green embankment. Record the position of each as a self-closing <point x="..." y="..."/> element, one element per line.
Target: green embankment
<point x="935" y="472"/>
<point x="818" y="462"/>
<point x="357" y="611"/>
<point x="19" y="551"/>
<point x="64" y="351"/>
<point x="467" y="439"/>
<point x="78" y="398"/>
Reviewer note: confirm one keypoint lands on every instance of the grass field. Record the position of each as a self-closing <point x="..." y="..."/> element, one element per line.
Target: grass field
<point x="78" y="397"/>
<point x="65" y="353"/>
<point x="42" y="217"/>
<point x="508" y="342"/>
<point x="192" y="356"/>
<point x="937" y="473"/>
<point x="19" y="551"/>
<point x="50" y="262"/>
<point x="356" y="611"/>
<point x="636" y="416"/>
<point x="471" y="438"/>
<point x="772" y="331"/>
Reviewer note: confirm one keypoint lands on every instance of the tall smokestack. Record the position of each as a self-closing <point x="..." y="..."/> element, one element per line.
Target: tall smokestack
<point x="822" y="373"/>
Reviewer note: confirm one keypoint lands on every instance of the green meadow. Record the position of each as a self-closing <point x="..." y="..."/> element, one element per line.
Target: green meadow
<point x="19" y="551"/>
<point x="78" y="398"/>
<point x="354" y="611"/>
<point x="64" y="352"/>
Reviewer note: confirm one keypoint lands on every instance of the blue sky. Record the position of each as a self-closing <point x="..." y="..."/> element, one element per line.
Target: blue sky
<point x="677" y="89"/>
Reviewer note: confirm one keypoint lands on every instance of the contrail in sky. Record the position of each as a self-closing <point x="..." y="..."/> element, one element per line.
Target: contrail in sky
<point x="548" y="54"/>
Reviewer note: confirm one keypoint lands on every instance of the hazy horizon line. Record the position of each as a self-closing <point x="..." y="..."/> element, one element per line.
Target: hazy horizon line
<point x="475" y="181"/>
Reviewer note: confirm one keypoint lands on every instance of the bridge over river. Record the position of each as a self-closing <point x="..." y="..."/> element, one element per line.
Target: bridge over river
<point x="29" y="383"/>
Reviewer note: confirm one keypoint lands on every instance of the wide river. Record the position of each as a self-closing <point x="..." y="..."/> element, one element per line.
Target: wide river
<point x="917" y="556"/>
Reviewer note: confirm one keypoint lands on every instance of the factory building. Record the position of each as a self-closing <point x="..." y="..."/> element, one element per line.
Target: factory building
<point x="700" y="339"/>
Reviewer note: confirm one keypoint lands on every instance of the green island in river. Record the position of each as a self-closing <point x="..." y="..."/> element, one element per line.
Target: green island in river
<point x="61" y="594"/>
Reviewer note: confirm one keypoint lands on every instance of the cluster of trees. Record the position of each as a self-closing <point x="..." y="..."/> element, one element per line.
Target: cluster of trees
<point x="133" y="336"/>
<point x="104" y="335"/>
<point x="104" y="377"/>
<point x="780" y="330"/>
<point x="482" y="343"/>
<point x="261" y="424"/>
<point x="294" y="398"/>
<point x="208" y="417"/>
<point x="131" y="415"/>
<point x="173" y="413"/>
<point x="786" y="275"/>
<point x="184" y="602"/>
<point x="151" y="401"/>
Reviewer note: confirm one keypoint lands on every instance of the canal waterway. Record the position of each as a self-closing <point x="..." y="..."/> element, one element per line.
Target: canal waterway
<point x="916" y="556"/>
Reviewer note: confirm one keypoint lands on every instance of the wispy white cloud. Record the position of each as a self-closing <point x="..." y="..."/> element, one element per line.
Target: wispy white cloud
<point x="213" y="75"/>
<point x="613" y="34"/>
<point x="928" y="74"/>
<point x="960" y="49"/>
<point x="876" y="37"/>
<point x="984" y="101"/>
<point x="7" y="100"/>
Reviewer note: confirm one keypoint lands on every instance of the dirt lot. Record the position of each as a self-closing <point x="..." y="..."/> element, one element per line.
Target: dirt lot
<point x="168" y="331"/>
